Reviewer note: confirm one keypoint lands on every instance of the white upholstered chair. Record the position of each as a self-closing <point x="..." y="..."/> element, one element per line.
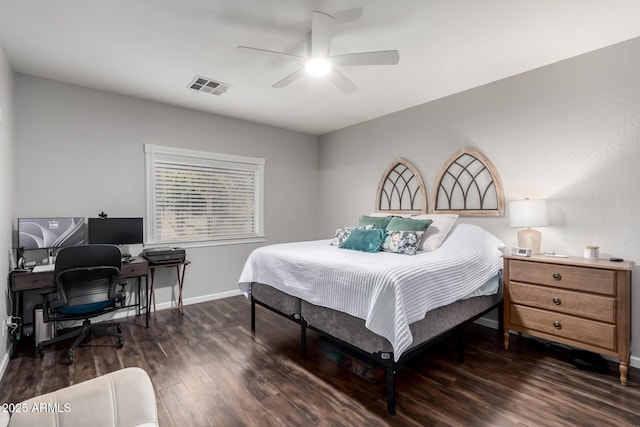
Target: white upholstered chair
<point x="122" y="398"/>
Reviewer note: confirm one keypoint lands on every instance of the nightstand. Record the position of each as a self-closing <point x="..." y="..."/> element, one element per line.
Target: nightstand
<point x="583" y="303"/>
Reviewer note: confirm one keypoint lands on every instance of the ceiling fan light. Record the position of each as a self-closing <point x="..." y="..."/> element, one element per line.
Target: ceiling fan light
<point x="318" y="67"/>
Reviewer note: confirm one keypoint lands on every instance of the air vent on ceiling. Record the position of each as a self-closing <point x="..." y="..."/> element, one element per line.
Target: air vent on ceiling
<point x="203" y="84"/>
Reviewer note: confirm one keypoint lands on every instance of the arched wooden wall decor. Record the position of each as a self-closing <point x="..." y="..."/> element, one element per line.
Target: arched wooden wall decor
<point x="401" y="190"/>
<point x="468" y="185"/>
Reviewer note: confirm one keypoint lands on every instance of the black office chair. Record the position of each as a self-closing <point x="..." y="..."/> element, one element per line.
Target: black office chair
<point x="85" y="278"/>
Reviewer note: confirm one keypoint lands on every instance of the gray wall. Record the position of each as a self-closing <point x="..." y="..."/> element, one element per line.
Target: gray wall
<point x="568" y="133"/>
<point x="80" y="152"/>
<point x="7" y="143"/>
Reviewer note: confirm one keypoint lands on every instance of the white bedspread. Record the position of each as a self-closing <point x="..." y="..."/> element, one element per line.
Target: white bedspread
<point x="389" y="291"/>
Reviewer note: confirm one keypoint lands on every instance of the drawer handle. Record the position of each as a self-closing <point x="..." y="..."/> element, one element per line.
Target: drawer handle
<point x="557" y="276"/>
<point x="557" y="325"/>
<point x="557" y="301"/>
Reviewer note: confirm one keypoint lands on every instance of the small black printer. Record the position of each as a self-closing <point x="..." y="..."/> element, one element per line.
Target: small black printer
<point x="164" y="255"/>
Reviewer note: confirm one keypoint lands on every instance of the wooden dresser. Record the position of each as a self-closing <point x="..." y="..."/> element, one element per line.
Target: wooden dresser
<point x="583" y="303"/>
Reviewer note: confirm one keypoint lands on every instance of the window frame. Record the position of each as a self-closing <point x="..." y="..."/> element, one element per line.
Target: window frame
<point x="155" y="152"/>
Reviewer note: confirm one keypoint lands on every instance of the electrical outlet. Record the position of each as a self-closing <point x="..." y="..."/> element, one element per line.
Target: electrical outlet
<point x="5" y="324"/>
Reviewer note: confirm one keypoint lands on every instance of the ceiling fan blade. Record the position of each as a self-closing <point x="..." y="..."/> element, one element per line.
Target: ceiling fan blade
<point x="321" y="34"/>
<point x="382" y="57"/>
<point x="290" y="78"/>
<point x="341" y="81"/>
<point x="271" y="53"/>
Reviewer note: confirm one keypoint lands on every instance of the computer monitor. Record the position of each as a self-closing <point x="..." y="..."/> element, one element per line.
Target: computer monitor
<point x="50" y="233"/>
<point x="115" y="231"/>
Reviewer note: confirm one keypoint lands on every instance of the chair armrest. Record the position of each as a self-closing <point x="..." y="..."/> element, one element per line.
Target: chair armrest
<point x="50" y="301"/>
<point x="53" y="301"/>
<point x="117" y="295"/>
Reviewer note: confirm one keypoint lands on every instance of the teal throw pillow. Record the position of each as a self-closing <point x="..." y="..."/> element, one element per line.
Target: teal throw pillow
<point x="376" y="221"/>
<point x="365" y="240"/>
<point x="408" y="224"/>
<point x="343" y="233"/>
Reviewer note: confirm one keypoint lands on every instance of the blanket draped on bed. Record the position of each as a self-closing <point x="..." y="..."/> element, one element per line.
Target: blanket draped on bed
<point x="389" y="291"/>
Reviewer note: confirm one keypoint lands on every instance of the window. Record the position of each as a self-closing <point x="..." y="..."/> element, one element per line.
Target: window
<point x="203" y="198"/>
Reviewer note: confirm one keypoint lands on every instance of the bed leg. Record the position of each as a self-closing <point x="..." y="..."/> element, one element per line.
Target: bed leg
<point x="391" y="388"/>
<point x="303" y="338"/>
<point x="500" y="320"/>
<point x="253" y="314"/>
<point x="460" y="345"/>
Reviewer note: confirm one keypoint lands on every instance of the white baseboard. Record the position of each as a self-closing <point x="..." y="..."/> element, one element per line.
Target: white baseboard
<point x="131" y="311"/>
<point x="199" y="299"/>
<point x="634" y="361"/>
<point x="5" y="362"/>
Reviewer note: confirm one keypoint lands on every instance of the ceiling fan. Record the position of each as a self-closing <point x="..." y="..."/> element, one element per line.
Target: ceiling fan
<point x="319" y="61"/>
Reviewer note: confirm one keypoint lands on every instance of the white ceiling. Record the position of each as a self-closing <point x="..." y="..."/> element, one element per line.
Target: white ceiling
<point x="152" y="49"/>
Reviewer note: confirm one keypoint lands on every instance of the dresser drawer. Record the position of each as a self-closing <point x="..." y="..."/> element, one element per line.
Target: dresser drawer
<point x="598" y="334"/>
<point x="590" y="306"/>
<point x="564" y="276"/>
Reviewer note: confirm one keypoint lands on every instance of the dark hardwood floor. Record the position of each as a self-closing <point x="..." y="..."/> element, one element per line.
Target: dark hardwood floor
<point x="209" y="369"/>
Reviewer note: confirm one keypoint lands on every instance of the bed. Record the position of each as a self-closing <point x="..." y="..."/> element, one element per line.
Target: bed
<point x="386" y="307"/>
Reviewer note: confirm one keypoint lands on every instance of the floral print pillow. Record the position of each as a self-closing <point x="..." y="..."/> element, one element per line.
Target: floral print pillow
<point x="341" y="235"/>
<point x="402" y="242"/>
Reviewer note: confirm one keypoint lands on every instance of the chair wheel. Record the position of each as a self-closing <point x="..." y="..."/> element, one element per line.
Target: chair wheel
<point x="70" y="358"/>
<point x="120" y="342"/>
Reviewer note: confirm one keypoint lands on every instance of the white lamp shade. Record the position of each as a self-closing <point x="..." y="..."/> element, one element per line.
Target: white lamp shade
<point x="528" y="213"/>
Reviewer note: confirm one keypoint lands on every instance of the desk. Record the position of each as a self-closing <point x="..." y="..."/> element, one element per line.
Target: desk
<point x="177" y="265"/>
<point x="138" y="268"/>
<point x="23" y="281"/>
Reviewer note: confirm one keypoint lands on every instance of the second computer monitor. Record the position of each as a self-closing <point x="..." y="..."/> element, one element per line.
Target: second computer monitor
<point x="115" y="231"/>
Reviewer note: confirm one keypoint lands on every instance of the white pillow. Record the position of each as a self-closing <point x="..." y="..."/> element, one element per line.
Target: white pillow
<point x="383" y="214"/>
<point x="437" y="231"/>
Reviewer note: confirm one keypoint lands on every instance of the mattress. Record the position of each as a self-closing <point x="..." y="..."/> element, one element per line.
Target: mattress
<point x="388" y="291"/>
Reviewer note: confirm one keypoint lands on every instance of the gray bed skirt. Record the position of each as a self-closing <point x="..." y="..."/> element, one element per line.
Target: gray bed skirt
<point x="352" y="330"/>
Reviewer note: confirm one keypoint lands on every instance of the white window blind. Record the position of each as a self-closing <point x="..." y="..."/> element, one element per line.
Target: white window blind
<point x="195" y="196"/>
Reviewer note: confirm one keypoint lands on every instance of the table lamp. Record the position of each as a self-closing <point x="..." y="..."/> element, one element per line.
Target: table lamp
<point x="526" y="214"/>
